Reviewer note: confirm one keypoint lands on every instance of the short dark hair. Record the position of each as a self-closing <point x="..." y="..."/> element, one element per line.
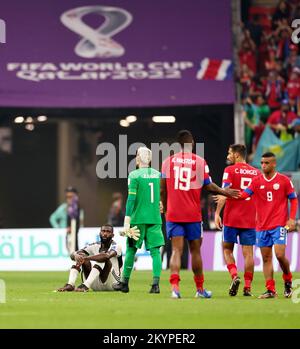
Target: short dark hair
<point x="268" y="155"/>
<point x="184" y="137"/>
<point x="107" y="225"/>
<point x="71" y="190"/>
<point x="240" y="149"/>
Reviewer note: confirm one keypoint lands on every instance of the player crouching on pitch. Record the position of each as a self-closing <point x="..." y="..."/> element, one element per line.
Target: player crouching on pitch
<point x="107" y="263"/>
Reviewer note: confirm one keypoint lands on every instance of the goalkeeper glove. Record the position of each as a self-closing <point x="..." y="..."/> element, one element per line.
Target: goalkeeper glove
<point x="132" y="233"/>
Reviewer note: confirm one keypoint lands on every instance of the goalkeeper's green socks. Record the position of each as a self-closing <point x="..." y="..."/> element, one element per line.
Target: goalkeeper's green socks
<point x="125" y="280"/>
<point x="128" y="264"/>
<point x="155" y="280"/>
<point x="156" y="264"/>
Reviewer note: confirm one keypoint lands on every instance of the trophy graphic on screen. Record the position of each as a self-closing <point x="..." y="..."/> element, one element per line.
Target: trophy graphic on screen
<point x="97" y="42"/>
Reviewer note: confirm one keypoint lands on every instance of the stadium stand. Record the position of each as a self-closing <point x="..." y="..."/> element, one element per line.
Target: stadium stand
<point x="269" y="72"/>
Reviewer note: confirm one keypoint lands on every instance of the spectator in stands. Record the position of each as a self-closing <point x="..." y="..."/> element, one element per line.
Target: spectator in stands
<point x="274" y="88"/>
<point x="296" y="127"/>
<point x="116" y="213"/>
<point x="277" y="74"/>
<point x="282" y="11"/>
<point x="284" y="33"/>
<point x="59" y="218"/>
<point x="247" y="53"/>
<point x="280" y="70"/>
<point x="246" y="77"/>
<point x="263" y="54"/>
<point x="296" y="10"/>
<point x="293" y="85"/>
<point x="255" y="29"/>
<point x="257" y="86"/>
<point x="256" y="124"/>
<point x="292" y="61"/>
<point x="262" y="109"/>
<point x="293" y="105"/>
<point x="270" y="63"/>
<point x="281" y="121"/>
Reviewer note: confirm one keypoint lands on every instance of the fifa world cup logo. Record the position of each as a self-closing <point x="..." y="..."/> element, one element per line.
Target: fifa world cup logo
<point x="97" y="42"/>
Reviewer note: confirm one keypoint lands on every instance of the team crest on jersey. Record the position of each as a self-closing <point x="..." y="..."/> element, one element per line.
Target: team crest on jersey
<point x="276" y="186"/>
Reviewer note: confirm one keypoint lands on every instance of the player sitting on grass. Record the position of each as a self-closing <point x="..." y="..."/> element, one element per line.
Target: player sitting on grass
<point x="107" y="258"/>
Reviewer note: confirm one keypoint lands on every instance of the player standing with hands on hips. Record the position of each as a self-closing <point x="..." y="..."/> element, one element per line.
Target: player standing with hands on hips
<point x="272" y="191"/>
<point x="143" y="213"/>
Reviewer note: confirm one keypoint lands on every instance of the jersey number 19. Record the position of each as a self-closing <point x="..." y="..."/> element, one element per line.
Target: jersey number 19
<point x="182" y="178"/>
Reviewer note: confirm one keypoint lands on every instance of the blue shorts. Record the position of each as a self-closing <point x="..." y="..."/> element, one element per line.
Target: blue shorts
<point x="268" y="238"/>
<point x="190" y="231"/>
<point x="246" y="236"/>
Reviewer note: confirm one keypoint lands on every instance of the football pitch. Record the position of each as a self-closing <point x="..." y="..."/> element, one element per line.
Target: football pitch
<point x="31" y="303"/>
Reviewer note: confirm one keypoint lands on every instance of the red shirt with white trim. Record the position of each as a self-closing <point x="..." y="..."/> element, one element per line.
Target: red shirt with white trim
<point x="271" y="200"/>
<point x="185" y="174"/>
<point x="239" y="213"/>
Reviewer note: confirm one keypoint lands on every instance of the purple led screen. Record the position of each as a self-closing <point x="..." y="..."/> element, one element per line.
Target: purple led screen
<point x="116" y="53"/>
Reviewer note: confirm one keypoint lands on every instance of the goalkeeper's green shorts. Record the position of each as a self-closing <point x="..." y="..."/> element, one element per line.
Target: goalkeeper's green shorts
<point x="150" y="233"/>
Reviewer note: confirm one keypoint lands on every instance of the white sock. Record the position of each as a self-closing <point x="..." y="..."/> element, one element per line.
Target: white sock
<point x="92" y="277"/>
<point x="73" y="276"/>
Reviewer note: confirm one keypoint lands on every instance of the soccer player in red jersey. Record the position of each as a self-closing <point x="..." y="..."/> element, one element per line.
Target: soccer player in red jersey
<point x="183" y="176"/>
<point x="271" y="191"/>
<point x="239" y="218"/>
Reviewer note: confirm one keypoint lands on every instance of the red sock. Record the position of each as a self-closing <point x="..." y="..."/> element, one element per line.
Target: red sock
<point x="270" y="284"/>
<point x="287" y="277"/>
<point x="199" y="280"/>
<point x="248" y="276"/>
<point x="174" y="281"/>
<point x="232" y="270"/>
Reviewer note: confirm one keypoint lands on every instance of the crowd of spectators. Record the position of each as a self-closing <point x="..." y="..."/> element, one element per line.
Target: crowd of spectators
<point x="269" y="74"/>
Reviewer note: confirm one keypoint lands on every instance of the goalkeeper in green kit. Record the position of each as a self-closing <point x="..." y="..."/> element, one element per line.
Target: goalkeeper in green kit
<point x="143" y="219"/>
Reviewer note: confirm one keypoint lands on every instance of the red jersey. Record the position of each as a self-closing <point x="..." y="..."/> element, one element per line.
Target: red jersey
<point x="293" y="88"/>
<point x="237" y="213"/>
<point x="277" y="117"/>
<point x="185" y="175"/>
<point x="271" y="200"/>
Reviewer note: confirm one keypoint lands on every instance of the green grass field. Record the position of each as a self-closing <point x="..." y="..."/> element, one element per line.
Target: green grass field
<point x="31" y="303"/>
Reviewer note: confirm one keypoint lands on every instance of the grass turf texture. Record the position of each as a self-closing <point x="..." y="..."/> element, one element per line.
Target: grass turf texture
<point x="31" y="303"/>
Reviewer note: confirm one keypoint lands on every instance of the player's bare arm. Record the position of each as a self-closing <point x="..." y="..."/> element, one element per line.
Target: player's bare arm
<point x="78" y="257"/>
<point x="230" y="193"/>
<point x="291" y="225"/>
<point x="220" y="205"/>
<point x="101" y="257"/>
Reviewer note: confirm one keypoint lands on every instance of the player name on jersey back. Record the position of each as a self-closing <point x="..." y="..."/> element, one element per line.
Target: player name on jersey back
<point x="246" y="171"/>
<point x="185" y="175"/>
<point x="184" y="161"/>
<point x="239" y="213"/>
<point x="151" y="175"/>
